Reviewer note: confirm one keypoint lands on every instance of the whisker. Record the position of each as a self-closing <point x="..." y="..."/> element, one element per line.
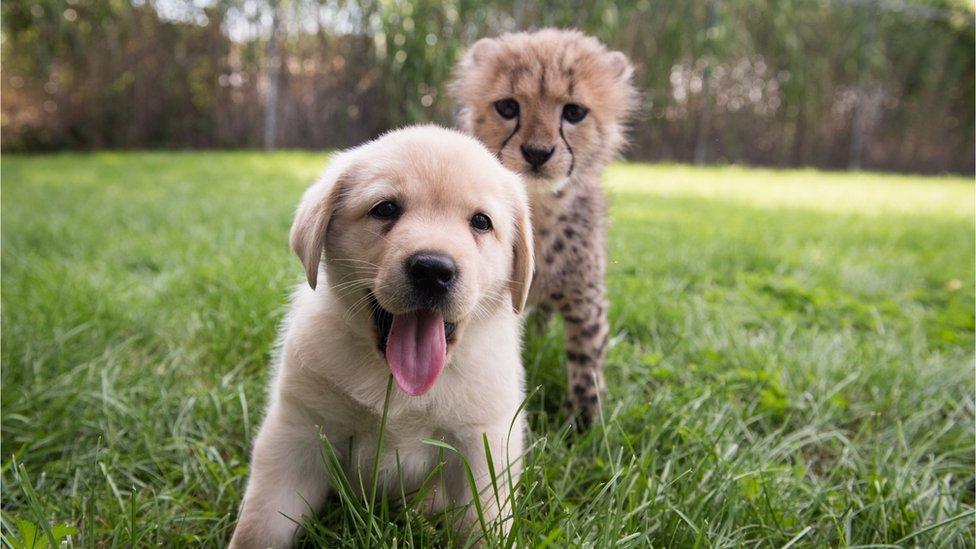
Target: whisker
<point x="353" y="260"/>
<point x="348" y="283"/>
<point x="357" y="306"/>
<point x="344" y="289"/>
<point x="383" y="236"/>
<point x="361" y="304"/>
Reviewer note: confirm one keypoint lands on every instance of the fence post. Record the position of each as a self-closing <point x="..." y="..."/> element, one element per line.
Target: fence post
<point x="858" y="121"/>
<point x="704" y="113"/>
<point x="274" y="70"/>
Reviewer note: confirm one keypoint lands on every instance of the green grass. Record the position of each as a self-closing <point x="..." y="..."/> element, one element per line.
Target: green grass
<point x="791" y="359"/>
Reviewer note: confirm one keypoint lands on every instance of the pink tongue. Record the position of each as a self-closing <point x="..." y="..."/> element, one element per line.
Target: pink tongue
<point x="416" y="350"/>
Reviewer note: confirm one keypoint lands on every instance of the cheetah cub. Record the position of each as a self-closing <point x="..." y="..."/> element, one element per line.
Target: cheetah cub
<point x="552" y="105"/>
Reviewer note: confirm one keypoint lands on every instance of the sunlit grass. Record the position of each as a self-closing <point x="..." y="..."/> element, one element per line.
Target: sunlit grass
<point x="792" y="358"/>
<point x="861" y="193"/>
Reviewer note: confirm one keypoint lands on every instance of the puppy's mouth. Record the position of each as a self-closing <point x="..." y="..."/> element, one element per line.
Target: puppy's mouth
<point x="414" y="344"/>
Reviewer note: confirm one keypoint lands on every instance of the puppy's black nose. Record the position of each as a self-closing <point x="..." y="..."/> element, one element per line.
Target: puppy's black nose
<point x="431" y="272"/>
<point x="536" y="157"/>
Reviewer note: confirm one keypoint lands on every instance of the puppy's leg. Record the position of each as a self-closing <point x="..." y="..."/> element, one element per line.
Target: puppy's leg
<point x="492" y="484"/>
<point x="287" y="481"/>
<point x="584" y="311"/>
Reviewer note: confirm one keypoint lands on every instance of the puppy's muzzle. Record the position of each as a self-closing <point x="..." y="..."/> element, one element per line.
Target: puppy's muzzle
<point x="431" y="276"/>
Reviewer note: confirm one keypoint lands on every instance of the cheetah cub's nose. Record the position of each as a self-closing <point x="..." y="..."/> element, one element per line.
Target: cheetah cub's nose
<point x="536" y="157"/>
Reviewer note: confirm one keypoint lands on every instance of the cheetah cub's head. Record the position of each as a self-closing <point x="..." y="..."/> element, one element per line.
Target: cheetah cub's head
<point x="551" y="104"/>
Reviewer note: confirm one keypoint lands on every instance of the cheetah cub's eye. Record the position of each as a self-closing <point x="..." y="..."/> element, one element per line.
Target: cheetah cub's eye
<point x="385" y="210"/>
<point x="481" y="222"/>
<point x="507" y="108"/>
<point x="574" y="113"/>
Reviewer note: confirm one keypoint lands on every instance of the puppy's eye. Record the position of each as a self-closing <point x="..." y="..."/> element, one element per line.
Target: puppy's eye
<point x="574" y="113"/>
<point x="481" y="222"/>
<point x="507" y="108"/>
<point x="385" y="210"/>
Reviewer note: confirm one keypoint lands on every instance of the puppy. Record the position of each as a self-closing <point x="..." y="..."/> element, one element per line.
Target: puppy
<point x="427" y="264"/>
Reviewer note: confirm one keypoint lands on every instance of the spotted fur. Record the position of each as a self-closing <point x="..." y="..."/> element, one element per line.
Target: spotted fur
<point x="544" y="71"/>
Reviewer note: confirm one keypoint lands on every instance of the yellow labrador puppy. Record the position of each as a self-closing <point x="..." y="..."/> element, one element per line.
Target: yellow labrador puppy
<point x="418" y="253"/>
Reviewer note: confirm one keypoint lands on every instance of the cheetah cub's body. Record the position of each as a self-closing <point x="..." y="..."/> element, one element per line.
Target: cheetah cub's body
<point x="552" y="105"/>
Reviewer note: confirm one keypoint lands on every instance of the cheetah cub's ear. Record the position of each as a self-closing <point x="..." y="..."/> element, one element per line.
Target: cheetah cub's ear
<point x="481" y="50"/>
<point x="621" y="65"/>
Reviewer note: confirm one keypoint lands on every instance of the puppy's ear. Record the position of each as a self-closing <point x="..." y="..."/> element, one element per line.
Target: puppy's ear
<point x="312" y="218"/>
<point x="523" y="262"/>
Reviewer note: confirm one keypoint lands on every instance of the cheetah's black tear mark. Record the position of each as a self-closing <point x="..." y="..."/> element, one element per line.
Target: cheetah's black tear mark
<point x="518" y="124"/>
<point x="572" y="155"/>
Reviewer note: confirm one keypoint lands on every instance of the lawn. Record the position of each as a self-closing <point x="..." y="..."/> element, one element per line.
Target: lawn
<point x="791" y="359"/>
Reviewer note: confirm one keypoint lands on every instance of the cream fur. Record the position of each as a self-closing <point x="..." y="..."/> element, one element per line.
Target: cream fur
<point x="330" y="375"/>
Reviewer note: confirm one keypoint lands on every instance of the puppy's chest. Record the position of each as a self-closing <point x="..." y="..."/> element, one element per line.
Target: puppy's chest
<point x="404" y="457"/>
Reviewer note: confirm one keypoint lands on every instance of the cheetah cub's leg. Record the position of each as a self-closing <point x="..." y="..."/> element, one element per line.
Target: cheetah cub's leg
<point x="541" y="317"/>
<point x="583" y="306"/>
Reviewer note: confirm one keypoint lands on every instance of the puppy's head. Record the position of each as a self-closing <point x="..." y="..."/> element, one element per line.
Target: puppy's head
<point x="424" y="232"/>
<point x="550" y="104"/>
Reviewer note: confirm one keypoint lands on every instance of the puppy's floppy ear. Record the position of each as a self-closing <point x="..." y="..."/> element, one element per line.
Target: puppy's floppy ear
<point x="523" y="259"/>
<point x="312" y="218"/>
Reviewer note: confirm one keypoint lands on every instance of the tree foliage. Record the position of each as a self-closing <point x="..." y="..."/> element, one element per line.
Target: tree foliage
<point x="779" y="83"/>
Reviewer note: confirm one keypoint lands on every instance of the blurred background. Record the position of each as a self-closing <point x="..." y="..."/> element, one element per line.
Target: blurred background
<point x="872" y="84"/>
